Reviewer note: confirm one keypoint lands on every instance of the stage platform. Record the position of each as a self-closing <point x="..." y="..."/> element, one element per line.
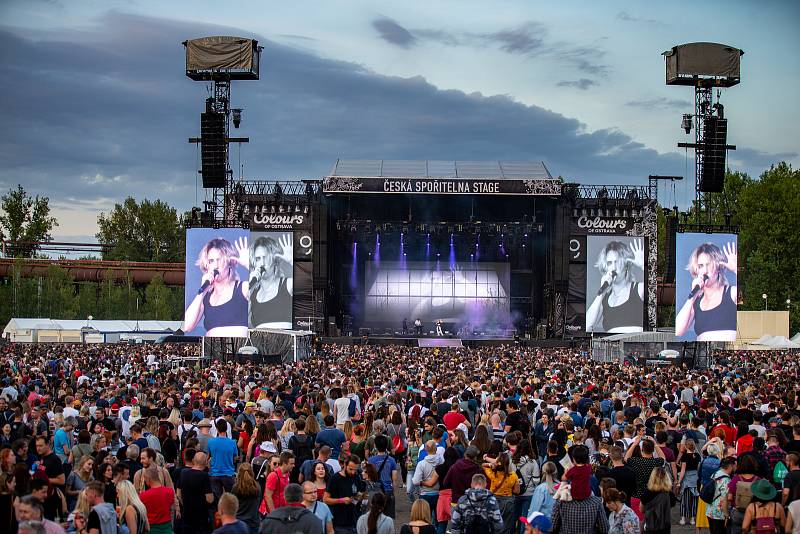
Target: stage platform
<point x="444" y="342"/>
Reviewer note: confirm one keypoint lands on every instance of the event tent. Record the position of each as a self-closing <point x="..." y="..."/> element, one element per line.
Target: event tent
<point x="43" y="330"/>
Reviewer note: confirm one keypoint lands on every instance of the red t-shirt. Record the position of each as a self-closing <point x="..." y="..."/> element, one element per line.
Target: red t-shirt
<point x="579" y="477"/>
<point x="730" y="433"/>
<point x="276" y="483"/>
<point x="158" y="502"/>
<point x="453" y="419"/>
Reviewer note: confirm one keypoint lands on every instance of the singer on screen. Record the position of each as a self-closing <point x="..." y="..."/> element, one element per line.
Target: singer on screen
<point x="619" y="304"/>
<point x="221" y="300"/>
<point x="711" y="305"/>
<point x="271" y="281"/>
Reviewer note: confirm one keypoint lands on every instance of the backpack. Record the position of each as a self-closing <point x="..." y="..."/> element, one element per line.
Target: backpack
<point x="709" y="491"/>
<point x="398" y="446"/>
<point x="187" y="435"/>
<point x="351" y="408"/>
<point x="743" y="495"/>
<point x="657" y="513"/>
<point x="766" y="524"/>
<point x="779" y="473"/>
<point x="303" y="450"/>
<point x="476" y="523"/>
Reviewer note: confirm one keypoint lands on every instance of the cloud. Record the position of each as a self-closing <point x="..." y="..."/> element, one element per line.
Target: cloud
<point x="627" y="17"/>
<point x="661" y="102"/>
<point x="391" y="32"/>
<point x="526" y="39"/>
<point x="583" y="84"/>
<point x="111" y="100"/>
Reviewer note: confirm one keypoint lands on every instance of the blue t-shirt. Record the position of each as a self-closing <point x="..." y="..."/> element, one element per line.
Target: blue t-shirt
<point x="322" y="511"/>
<point x="333" y="438"/>
<point x="233" y="528"/>
<point x="386" y="472"/>
<point x="61" y="438"/>
<point x="223" y="451"/>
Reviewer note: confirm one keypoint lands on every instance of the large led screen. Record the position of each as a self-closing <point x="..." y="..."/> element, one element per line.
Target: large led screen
<point x="705" y="287"/>
<point x="466" y="297"/>
<point x="614" y="284"/>
<point x="271" y="279"/>
<point x="216" y="291"/>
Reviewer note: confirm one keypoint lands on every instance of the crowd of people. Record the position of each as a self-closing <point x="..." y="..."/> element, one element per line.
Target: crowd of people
<point x="104" y="439"/>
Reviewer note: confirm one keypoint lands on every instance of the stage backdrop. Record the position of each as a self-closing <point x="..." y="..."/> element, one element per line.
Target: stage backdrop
<point x="271" y="279"/>
<point x="206" y="249"/>
<point x="706" y="286"/>
<point x="619" y="306"/>
<point x="478" y="293"/>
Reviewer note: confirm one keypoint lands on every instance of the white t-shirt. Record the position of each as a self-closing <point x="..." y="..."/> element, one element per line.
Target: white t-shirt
<point x="794" y="511"/>
<point x="342" y="410"/>
<point x="69" y="411"/>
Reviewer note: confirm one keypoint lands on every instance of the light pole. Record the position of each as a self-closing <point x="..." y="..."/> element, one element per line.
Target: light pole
<point x="764" y="296"/>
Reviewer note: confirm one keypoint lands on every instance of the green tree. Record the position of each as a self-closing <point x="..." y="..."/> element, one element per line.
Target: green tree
<point x="146" y="231"/>
<point x="58" y="299"/>
<point x="768" y="213"/>
<point x="87" y="300"/>
<point x="25" y="219"/>
<point x="157" y="297"/>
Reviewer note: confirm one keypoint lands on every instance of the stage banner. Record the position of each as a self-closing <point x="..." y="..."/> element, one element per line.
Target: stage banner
<point x="706" y="273"/>
<point x="442" y="186"/>
<point x="271" y="279"/>
<point x="615" y="285"/>
<point x="216" y="295"/>
<point x="576" y="299"/>
<point x="262" y="218"/>
<point x="586" y="225"/>
<point x="303" y="296"/>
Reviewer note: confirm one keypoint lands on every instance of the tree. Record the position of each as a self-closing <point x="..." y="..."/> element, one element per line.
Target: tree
<point x="58" y="299"/>
<point x="768" y="212"/>
<point x="157" y="297"/>
<point x="146" y="231"/>
<point x="25" y="219"/>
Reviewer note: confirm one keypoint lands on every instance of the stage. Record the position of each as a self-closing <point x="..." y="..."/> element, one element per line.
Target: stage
<point x="445" y="342"/>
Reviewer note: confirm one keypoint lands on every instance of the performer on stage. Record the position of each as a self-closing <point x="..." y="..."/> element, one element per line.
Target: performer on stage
<point x="418" y="326"/>
<point x="271" y="282"/>
<point x="405" y="326"/>
<point x="619" y="304"/>
<point x="439" y="330"/>
<point x="711" y="305"/>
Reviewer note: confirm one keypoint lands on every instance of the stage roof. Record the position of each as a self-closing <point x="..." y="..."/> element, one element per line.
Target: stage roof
<point x="384" y="168"/>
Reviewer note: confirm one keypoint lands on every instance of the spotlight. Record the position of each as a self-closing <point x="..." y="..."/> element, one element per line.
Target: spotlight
<point x="686" y="123"/>
<point x="237" y="117"/>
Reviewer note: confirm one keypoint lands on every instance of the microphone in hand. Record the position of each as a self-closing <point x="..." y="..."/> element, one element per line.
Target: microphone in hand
<point x="698" y="287"/>
<point x="607" y="283"/>
<point x="207" y="282"/>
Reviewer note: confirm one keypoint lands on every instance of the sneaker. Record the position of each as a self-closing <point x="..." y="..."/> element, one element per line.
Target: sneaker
<point x="691" y="521"/>
<point x="682" y="521"/>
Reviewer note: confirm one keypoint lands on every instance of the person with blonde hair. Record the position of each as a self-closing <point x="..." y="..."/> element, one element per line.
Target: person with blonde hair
<point x="619" y="304"/>
<point x="286" y="432"/>
<point x="420" y="520"/>
<point x="711" y="305"/>
<point x="222" y="300"/>
<point x="78" y="478"/>
<point x="132" y="513"/>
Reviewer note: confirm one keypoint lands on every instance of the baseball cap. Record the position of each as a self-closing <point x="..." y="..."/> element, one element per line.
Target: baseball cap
<point x="538" y="520"/>
<point x="250" y="404"/>
<point x="204" y="423"/>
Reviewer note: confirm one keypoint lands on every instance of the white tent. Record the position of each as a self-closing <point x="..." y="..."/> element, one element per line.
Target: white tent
<point x="774" y="342"/>
<point x="796" y="337"/>
<point x="33" y="330"/>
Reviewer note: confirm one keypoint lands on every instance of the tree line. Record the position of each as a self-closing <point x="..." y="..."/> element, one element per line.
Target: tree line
<point x="766" y="209"/>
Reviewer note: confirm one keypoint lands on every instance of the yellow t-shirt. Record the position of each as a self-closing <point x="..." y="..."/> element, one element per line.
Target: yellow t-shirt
<point x="500" y="484"/>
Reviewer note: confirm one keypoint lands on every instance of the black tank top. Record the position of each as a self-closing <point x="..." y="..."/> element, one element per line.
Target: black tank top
<point x="276" y="310"/>
<point x="723" y="317"/>
<point x="231" y="313"/>
<point x="629" y="313"/>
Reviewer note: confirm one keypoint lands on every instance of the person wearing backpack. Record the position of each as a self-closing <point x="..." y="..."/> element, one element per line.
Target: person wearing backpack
<point x="717" y="509"/>
<point x="763" y="516"/>
<point x="477" y="511"/>
<point x="302" y="445"/>
<point x="740" y="494"/>
<point x="293" y="516"/>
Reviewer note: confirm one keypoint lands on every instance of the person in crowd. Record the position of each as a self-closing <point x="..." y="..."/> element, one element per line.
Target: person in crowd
<point x="689" y="460"/>
<point x="292" y="516"/>
<point x="132" y="513"/>
<point x="763" y="513"/>
<point x="223" y="452"/>
<point x="30" y="508"/>
<point x="656" y="502"/>
<point x="228" y="507"/>
<point x="317" y="507"/>
<point x="248" y="496"/>
<point x="504" y="484"/>
<point x="343" y="495"/>
<point x="386" y="468"/>
<point x="195" y="495"/>
<point x="740" y="492"/>
<point x="587" y="515"/>
<point x="277" y="481"/>
<point x="420" y="520"/>
<point x="477" y="509"/>
<point x="622" y="519"/>
<point x="376" y="521"/>
<point x="718" y="511"/>
<point x="159" y="500"/>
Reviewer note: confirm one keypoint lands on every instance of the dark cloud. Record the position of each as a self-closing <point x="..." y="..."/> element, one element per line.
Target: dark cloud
<point x="661" y="102"/>
<point x="391" y="32"/>
<point x="527" y="39"/>
<point x="92" y="116"/>
<point x="583" y="84"/>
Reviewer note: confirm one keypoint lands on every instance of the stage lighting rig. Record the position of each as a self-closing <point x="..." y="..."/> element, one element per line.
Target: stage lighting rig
<point x="686" y="123"/>
<point x="237" y="117"/>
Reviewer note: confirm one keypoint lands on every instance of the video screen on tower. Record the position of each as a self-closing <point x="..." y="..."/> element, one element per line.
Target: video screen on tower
<point x="706" y="286"/>
<point x="216" y="295"/>
<point x="614" y="284"/>
<point x="465" y="297"/>
<point x="271" y="279"/>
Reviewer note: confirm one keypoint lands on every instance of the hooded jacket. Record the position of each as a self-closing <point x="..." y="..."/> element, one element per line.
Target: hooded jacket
<point x="459" y="477"/>
<point x="291" y="519"/>
<point x="424" y="470"/>
<point x="477" y="501"/>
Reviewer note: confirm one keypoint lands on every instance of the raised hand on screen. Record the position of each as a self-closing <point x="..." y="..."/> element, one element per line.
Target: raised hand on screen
<point x="637" y="248"/>
<point x="244" y="252"/>
<point x="731" y="257"/>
